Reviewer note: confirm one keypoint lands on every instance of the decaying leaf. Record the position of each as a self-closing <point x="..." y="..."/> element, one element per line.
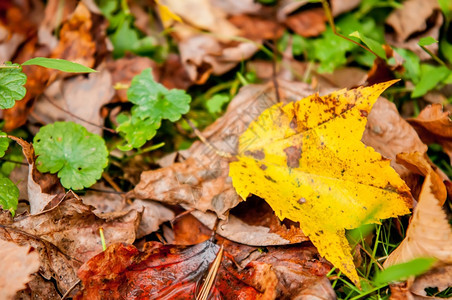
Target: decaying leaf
<point x="74" y="228"/>
<point x="16" y="265"/>
<point x="389" y="134"/>
<point x="429" y="233"/>
<point x="170" y="272"/>
<point x="307" y="161"/>
<point x="439" y="277"/>
<point x="82" y="97"/>
<point x="53" y="263"/>
<point x="414" y="20"/>
<point x="434" y="126"/>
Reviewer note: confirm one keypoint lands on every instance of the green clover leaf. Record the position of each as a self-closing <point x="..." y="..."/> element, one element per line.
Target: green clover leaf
<point x="137" y="132"/>
<point x="12" y="82"/>
<point x="68" y="148"/>
<point x="155" y="101"/>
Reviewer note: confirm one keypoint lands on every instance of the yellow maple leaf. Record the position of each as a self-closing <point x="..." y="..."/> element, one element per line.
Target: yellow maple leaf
<point x="306" y="159"/>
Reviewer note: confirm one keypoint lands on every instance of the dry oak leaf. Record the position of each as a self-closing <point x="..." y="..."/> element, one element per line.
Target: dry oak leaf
<point x="17" y="263"/>
<point x="434" y="126"/>
<point x="429" y="233"/>
<point x="307" y="161"/>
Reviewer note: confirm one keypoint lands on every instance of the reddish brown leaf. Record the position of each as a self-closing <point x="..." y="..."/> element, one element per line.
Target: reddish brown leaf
<point x="308" y="23"/>
<point x="434" y="126"/>
<point x="257" y="28"/>
<point x="165" y="272"/>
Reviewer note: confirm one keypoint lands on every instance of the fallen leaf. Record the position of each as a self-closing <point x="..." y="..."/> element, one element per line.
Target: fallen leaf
<point x="153" y="214"/>
<point x="201" y="180"/>
<point x="414" y="20"/>
<point x="253" y="223"/>
<point x="434" y="126"/>
<point x="38" y="288"/>
<point x="74" y="228"/>
<point x="429" y="233"/>
<point x="389" y="134"/>
<point x="81" y="96"/>
<point x="203" y="55"/>
<point x="76" y="40"/>
<point x="420" y="163"/>
<point x="341" y="6"/>
<point x="439" y="277"/>
<point x="53" y="263"/>
<point x="205" y="16"/>
<point x="17" y="263"/>
<point x="307" y="23"/>
<point x="298" y="158"/>
<point x="169" y="272"/>
<point x="257" y="28"/>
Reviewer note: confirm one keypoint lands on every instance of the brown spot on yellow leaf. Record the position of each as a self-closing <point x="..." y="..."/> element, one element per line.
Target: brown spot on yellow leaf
<point x="293" y="154"/>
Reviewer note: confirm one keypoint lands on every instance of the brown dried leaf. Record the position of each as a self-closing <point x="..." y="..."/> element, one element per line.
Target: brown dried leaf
<point x="17" y="263"/>
<point x="38" y="288"/>
<point x="439" y="277"/>
<point x="74" y="228"/>
<point x="414" y="20"/>
<point x="205" y="16"/>
<point x="54" y="264"/>
<point x="341" y="6"/>
<point x="254" y="223"/>
<point x="76" y="40"/>
<point x="80" y="95"/>
<point x="389" y="134"/>
<point x="203" y="55"/>
<point x="257" y="28"/>
<point x="308" y="23"/>
<point x="419" y="163"/>
<point x="434" y="126"/>
<point x="429" y="233"/>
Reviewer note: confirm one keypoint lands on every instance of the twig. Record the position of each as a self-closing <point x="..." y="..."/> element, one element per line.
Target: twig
<point x="13" y="161"/>
<point x="210" y="279"/>
<point x="105" y="191"/>
<point x="70" y="289"/>
<point x="329" y="16"/>
<point x="77" y="117"/>
<point x="205" y="141"/>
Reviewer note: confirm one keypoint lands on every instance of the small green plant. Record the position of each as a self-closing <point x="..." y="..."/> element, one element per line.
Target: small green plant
<point x="152" y="103"/>
<point x="67" y="148"/>
<point x="12" y="81"/>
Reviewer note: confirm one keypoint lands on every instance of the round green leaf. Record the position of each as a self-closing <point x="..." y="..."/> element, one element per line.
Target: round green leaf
<point x="137" y="132"/>
<point x="154" y="101"/>
<point x="68" y="148"/>
<point x="9" y="194"/>
<point x="11" y="85"/>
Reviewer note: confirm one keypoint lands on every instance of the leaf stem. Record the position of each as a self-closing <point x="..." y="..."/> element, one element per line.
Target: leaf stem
<point x="329" y="16"/>
<point x="9" y="67"/>
<point x="77" y="117"/>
